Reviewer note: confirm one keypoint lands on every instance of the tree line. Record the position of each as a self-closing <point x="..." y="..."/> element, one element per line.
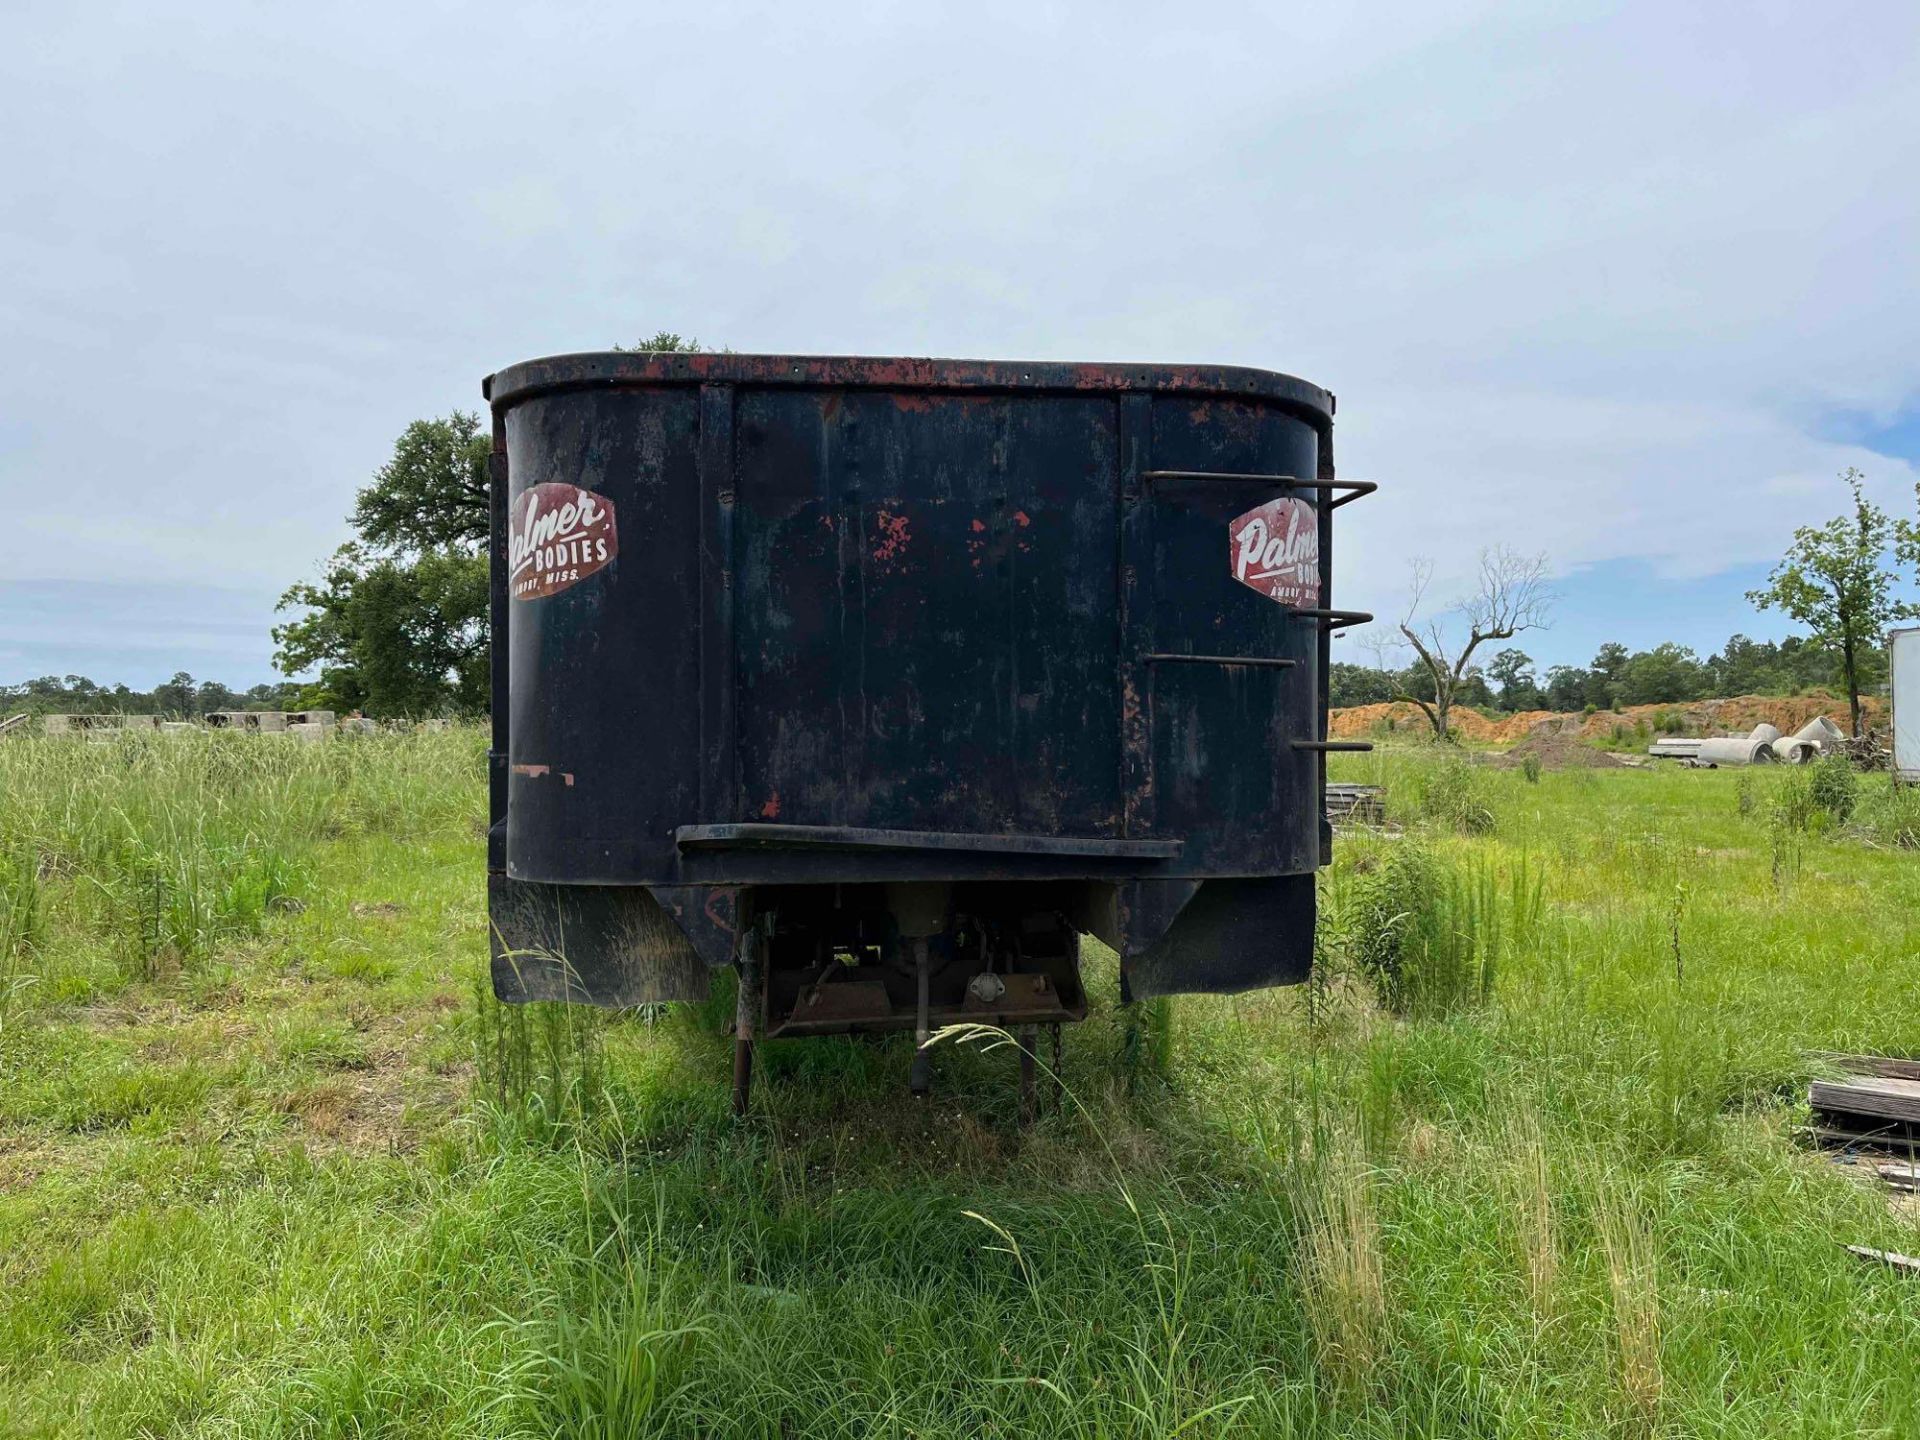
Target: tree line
<point x="1668" y="673"/>
<point x="397" y="622"/>
<point x="1842" y="580"/>
<point x="182" y="697"/>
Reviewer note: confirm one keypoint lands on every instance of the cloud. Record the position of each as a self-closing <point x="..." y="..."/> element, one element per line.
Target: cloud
<point x="1586" y="281"/>
<point x="1688" y="489"/>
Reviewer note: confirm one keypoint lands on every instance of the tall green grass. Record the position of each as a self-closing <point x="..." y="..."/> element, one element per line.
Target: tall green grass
<point x="1432" y="934"/>
<point x="1524" y="1159"/>
<point x="136" y="853"/>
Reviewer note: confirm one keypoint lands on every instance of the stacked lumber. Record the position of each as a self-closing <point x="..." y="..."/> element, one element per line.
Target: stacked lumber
<point x="1904" y="1177"/>
<point x="1877" y="1103"/>
<point x="1356" y="804"/>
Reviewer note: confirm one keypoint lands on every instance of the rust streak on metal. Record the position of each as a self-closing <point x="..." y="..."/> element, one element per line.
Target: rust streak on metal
<point x="892" y="537"/>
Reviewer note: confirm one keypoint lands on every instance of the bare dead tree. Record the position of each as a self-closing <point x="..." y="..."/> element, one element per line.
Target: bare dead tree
<point x="1511" y="595"/>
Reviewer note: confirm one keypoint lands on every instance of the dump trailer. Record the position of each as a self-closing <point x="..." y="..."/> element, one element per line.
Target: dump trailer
<point x="884" y="681"/>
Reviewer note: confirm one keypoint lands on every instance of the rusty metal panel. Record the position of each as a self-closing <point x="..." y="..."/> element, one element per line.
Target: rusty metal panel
<point x="759" y="610"/>
<point x="604" y="709"/>
<point x="594" y="944"/>
<point x="925" y="611"/>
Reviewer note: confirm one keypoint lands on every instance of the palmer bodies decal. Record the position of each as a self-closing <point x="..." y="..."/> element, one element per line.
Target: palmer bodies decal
<point x="557" y="535"/>
<point x="1275" y="549"/>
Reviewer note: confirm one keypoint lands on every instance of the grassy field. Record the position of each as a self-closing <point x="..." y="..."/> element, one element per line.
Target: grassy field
<point x="1523" y="1161"/>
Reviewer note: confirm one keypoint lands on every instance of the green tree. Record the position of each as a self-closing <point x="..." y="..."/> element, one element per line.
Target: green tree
<point x="212" y="695"/>
<point x="176" y="696"/>
<point x="1512" y="670"/>
<point x="1349" y="684"/>
<point x="1785" y="667"/>
<point x="434" y="494"/>
<point x="397" y="623"/>
<point x="1835" y="580"/>
<point x="1605" y="674"/>
<point x="1566" y="687"/>
<point x="1745" y="667"/>
<point x="1665" y="673"/>
<point x="1906" y="535"/>
<point x="391" y="635"/>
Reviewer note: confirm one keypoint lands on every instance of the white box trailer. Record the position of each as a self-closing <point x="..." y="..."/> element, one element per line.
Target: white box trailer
<point x="1903" y="655"/>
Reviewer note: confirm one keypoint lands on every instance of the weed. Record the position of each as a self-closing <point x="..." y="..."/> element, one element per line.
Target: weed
<point x="1890" y="816"/>
<point x="1454" y="796"/>
<point x="1676" y="912"/>
<point x="1534" y="1225"/>
<point x="1634" y="1288"/>
<point x="22" y="924"/>
<point x="1432" y="936"/>
<point x="1833" y="787"/>
<point x="1344" y="1271"/>
<point x="1793" y="806"/>
<point x="540" y="1066"/>
<point x="1147" y="1044"/>
<point x="608" y="1360"/>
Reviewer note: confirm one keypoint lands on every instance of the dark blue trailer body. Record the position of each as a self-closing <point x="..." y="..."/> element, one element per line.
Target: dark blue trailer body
<point x="878" y="666"/>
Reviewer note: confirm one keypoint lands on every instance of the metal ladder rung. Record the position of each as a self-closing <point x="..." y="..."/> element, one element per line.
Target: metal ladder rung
<point x="1354" y="488"/>
<point x="1335" y="619"/>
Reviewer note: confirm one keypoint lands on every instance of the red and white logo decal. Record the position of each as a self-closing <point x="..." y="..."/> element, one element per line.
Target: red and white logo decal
<point x="1276" y="550"/>
<point x="557" y="535"/>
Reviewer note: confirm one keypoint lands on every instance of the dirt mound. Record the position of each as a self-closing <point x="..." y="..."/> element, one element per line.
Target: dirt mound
<point x="1469" y="725"/>
<point x="1734" y="716"/>
<point x="1558" y="751"/>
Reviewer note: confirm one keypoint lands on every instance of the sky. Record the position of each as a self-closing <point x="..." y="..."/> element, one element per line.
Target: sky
<point x="1625" y="284"/>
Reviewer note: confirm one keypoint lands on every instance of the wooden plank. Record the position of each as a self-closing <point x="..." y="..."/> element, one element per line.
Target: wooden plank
<point x="1886" y="1257"/>
<point x="1900" y="1177"/>
<point x="1363" y="804"/>
<point x="1892" y="1067"/>
<point x="1887" y="1137"/>
<point x="1883" y="1097"/>
<point x="1894" y="1139"/>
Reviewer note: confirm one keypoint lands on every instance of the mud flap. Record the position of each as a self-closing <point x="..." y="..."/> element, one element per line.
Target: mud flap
<point x="1230" y="935"/>
<point x="608" y="945"/>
